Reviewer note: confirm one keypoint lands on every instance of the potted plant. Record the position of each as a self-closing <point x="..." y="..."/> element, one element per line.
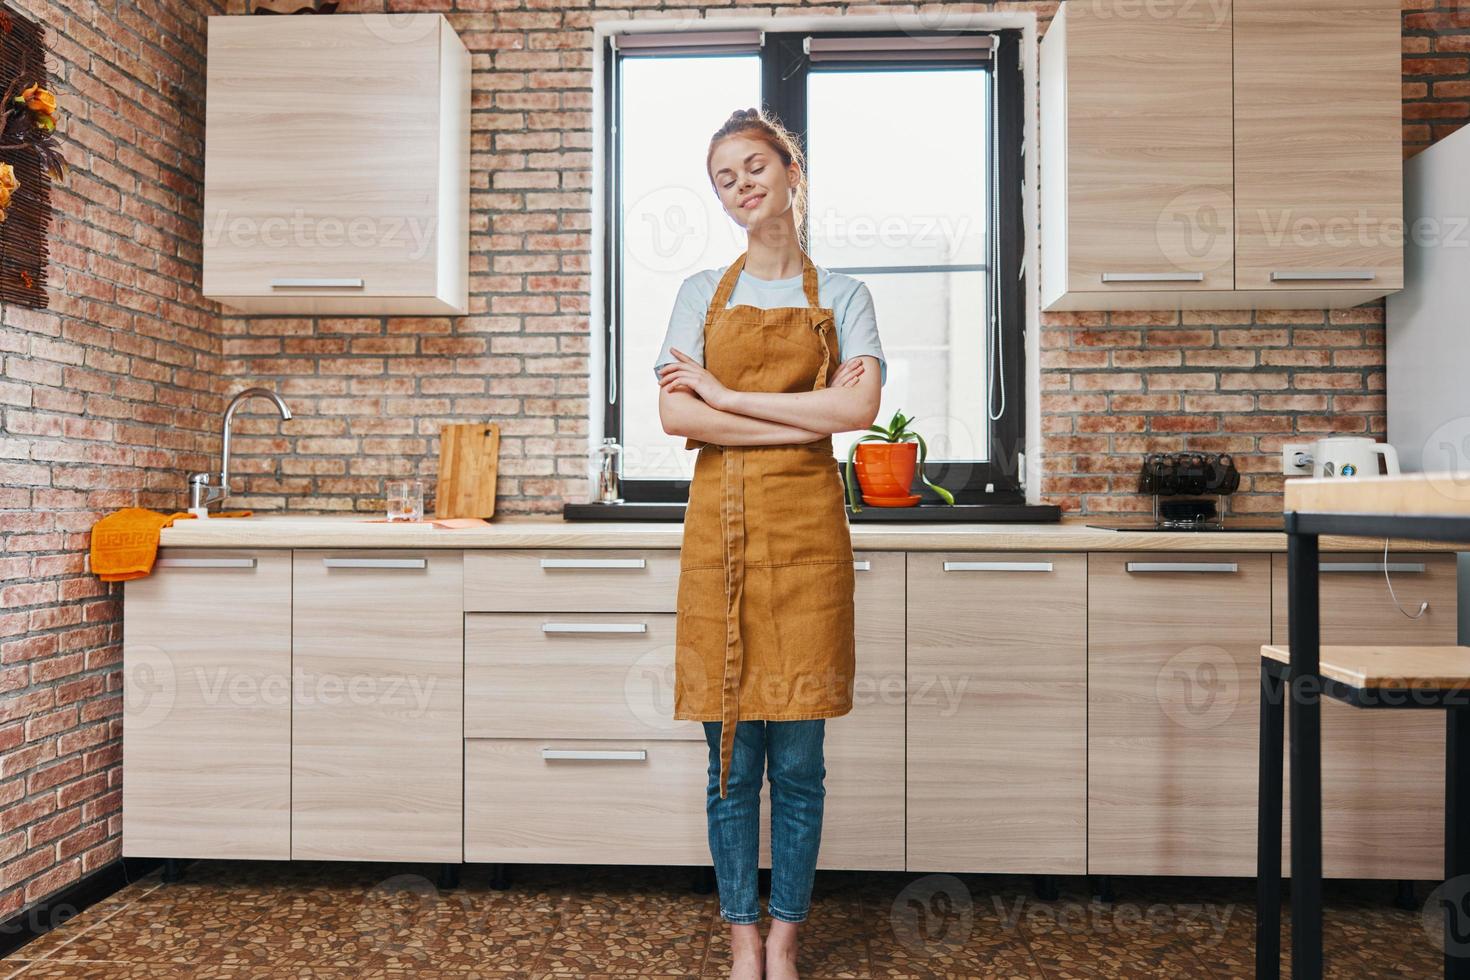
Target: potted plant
<point x="886" y="471"/>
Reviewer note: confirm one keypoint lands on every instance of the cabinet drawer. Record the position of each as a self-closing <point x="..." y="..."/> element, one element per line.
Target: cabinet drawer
<point x="571" y="675"/>
<point x="571" y="580"/>
<point x="586" y="801"/>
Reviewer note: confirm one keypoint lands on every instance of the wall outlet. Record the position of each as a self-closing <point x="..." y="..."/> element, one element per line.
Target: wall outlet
<point x="1296" y="459"/>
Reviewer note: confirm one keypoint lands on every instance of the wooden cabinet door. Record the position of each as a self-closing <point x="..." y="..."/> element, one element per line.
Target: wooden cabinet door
<point x="1146" y="149"/>
<point x="1382" y="771"/>
<point x="377" y="710"/>
<point x="1318" y="145"/>
<point x="323" y="162"/>
<point x="997" y="715"/>
<point x="1174" y="647"/>
<point x="207" y="706"/>
<point x="863" y="822"/>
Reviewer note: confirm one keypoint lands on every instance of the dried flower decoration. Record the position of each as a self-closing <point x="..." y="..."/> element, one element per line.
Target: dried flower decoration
<point x="28" y="122"/>
<point x="9" y="184"/>
<point x="30" y="158"/>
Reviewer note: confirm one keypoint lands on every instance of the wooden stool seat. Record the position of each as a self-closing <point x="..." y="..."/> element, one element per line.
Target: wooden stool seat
<point x="1385" y="667"/>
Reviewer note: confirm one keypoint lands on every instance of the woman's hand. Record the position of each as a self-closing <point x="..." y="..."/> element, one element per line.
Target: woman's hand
<point x="848" y="374"/>
<point x="689" y="376"/>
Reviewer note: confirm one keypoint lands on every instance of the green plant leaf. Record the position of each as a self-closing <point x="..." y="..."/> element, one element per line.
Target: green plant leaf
<point x="852" y="483"/>
<point x="923" y="455"/>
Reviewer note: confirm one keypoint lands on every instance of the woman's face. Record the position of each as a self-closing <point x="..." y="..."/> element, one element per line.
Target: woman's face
<point x="752" y="184"/>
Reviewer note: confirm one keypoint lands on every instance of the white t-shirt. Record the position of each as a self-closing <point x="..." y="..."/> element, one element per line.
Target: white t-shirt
<point x="848" y="298"/>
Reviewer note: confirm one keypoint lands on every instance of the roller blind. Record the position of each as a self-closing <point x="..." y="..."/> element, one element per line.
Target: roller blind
<point x="908" y="48"/>
<point x="688" y="42"/>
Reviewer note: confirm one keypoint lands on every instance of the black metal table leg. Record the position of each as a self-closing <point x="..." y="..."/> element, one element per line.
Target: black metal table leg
<point x="1305" y="723"/>
<point x="1268" y="826"/>
<point x="1456" y="841"/>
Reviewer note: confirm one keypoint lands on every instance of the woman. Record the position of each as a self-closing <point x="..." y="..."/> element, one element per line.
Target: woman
<point x="764" y="633"/>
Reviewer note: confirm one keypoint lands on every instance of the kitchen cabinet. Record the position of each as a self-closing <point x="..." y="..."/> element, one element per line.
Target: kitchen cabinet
<point x="377" y="719"/>
<point x="571" y="580"/>
<point x="1318" y="146"/>
<point x="863" y="822"/>
<point x="1173" y="652"/>
<point x="1136" y="150"/>
<point x="1227" y="155"/>
<point x="336" y="165"/>
<point x="997" y="713"/>
<point x="1382" y="771"/>
<point x="207" y="706"/>
<point x="572" y="753"/>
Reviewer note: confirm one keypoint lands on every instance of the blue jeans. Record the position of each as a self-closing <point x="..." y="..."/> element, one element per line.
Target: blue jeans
<point x="794" y="752"/>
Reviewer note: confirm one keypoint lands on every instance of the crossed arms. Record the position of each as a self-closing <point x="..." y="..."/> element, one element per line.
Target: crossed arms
<point x="694" y="404"/>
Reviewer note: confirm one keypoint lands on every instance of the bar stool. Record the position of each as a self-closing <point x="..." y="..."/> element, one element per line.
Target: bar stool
<point x="1377" y="677"/>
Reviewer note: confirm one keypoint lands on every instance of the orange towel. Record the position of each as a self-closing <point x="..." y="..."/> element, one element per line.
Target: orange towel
<point x="125" y="542"/>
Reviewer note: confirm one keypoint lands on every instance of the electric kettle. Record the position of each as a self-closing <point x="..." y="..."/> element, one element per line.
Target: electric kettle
<point x="1339" y="456"/>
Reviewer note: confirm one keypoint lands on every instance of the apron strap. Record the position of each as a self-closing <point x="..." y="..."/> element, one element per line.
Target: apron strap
<point x="723" y="290"/>
<point x="809" y="280"/>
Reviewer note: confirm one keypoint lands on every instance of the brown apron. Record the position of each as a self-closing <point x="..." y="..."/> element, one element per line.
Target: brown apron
<point x="765" y="603"/>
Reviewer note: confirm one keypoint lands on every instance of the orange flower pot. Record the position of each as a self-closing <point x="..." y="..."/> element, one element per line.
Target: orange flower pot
<point x="885" y="471"/>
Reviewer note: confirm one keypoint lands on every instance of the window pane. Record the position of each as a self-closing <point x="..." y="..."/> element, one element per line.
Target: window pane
<point x="672" y="224"/>
<point x="930" y="325"/>
<point x="898" y="175"/>
<point x="912" y="193"/>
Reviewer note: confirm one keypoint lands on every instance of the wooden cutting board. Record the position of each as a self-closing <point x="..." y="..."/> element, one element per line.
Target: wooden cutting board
<point x="468" y="458"/>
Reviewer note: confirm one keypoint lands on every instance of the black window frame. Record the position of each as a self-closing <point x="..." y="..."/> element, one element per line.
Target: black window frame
<point x="784" y="71"/>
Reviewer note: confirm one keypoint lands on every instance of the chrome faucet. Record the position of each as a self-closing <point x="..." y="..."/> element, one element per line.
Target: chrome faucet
<point x="203" y="492"/>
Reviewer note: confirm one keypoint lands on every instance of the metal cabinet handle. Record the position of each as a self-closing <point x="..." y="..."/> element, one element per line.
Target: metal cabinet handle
<point x="862" y="565"/>
<point x="1228" y="567"/>
<point x="1153" y="277"/>
<point x="1323" y="275"/>
<point x="1408" y="567"/>
<point x="997" y="566"/>
<point x="318" y="283"/>
<point x="206" y="562"/>
<point x="593" y="563"/>
<point x="628" y="755"/>
<point x="375" y="562"/>
<point x="594" y="627"/>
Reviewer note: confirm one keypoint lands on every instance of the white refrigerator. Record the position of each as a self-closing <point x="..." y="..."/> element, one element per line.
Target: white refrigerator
<point x="1428" y="323"/>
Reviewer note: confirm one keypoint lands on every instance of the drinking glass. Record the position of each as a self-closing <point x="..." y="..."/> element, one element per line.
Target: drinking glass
<point x="405" y="500"/>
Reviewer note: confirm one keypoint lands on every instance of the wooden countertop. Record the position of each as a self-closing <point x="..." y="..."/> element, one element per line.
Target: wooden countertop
<point x="286" y="530"/>
<point x="1410" y="494"/>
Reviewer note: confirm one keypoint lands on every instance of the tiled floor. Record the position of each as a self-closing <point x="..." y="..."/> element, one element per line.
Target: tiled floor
<point x="313" y="920"/>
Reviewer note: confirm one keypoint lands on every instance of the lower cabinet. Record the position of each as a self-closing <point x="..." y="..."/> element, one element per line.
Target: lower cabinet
<point x="572" y="753"/>
<point x="1174" y="643"/>
<point x="207" y="706"/>
<point x="997" y="712"/>
<point x="585" y="801"/>
<point x="863" y="810"/>
<point x="377" y="726"/>
<point x="1382" y="771"/>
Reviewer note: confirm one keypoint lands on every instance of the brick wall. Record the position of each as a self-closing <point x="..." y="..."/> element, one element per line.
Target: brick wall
<point x="110" y="398"/>
<point x="105" y="398"/>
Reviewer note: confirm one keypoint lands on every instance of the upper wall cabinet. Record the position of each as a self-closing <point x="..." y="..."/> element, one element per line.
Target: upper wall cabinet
<point x="1318" y="146"/>
<point x="336" y="171"/>
<point x="1222" y="155"/>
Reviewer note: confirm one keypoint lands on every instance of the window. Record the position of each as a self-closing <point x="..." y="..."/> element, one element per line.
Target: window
<point x="913" y="150"/>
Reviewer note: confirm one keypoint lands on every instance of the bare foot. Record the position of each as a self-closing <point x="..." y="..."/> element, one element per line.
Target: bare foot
<point x="745" y="948"/>
<point x="781" y="951"/>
